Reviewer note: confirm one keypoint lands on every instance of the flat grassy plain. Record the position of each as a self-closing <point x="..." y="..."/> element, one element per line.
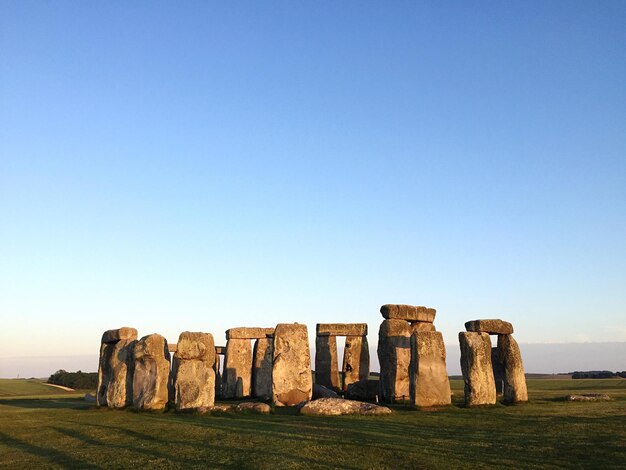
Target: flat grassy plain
<point x="55" y="429"/>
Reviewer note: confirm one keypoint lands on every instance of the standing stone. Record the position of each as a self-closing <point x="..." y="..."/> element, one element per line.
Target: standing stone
<point x="262" y="368"/>
<point x="480" y="387"/>
<point x="326" y="362"/>
<point x="218" y="376"/>
<point x="429" y="384"/>
<point x="116" y="367"/>
<point x="356" y="360"/>
<point x="237" y="374"/>
<point x="515" y="390"/>
<point x="152" y="370"/>
<point x="292" y="382"/>
<point x="193" y="377"/>
<point x="498" y="370"/>
<point x="394" y="355"/>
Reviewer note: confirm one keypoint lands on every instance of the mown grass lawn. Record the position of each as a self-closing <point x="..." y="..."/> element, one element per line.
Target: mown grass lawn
<point x="62" y="430"/>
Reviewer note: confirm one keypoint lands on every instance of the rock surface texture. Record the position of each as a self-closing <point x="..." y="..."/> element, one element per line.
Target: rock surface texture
<point x="339" y="406"/>
<point x="356" y="360"/>
<point x="480" y="387"/>
<point x="408" y="313"/>
<point x="116" y="367"/>
<point x="326" y="362"/>
<point x="394" y="356"/>
<point x="429" y="384"/>
<point x="422" y="326"/>
<point x="319" y="391"/>
<point x="152" y="370"/>
<point x="237" y="370"/>
<point x="263" y="355"/>
<point x="193" y="374"/>
<point x="363" y="390"/>
<point x="341" y="329"/>
<point x="292" y="381"/>
<point x="493" y="327"/>
<point x="249" y="333"/>
<point x="514" y="390"/>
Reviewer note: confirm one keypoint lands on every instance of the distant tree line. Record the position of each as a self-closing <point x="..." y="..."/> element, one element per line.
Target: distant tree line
<point x="80" y="380"/>
<point x="597" y="374"/>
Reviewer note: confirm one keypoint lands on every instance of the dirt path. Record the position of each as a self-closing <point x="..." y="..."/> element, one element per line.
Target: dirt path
<point x="67" y="389"/>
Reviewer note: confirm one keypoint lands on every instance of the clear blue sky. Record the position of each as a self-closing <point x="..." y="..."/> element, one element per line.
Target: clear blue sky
<point x="199" y="166"/>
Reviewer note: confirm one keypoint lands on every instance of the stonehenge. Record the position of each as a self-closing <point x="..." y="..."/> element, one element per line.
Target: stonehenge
<point x="116" y="367"/>
<point x="152" y="371"/>
<point x="488" y="371"/>
<point x="193" y="374"/>
<point x="292" y="382"/>
<point x="429" y="384"/>
<point x="356" y="355"/>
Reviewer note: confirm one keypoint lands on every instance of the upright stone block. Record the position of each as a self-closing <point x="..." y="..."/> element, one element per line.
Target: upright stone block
<point x="429" y="384"/>
<point x="218" y="376"/>
<point x="356" y="360"/>
<point x="515" y="390"/>
<point x="262" y="368"/>
<point x="422" y="326"/>
<point x="480" y="387"/>
<point x="193" y="377"/>
<point x="394" y="355"/>
<point x="152" y="370"/>
<point x="326" y="362"/>
<point x="116" y="367"/>
<point x="498" y="370"/>
<point x="292" y="382"/>
<point x="237" y="374"/>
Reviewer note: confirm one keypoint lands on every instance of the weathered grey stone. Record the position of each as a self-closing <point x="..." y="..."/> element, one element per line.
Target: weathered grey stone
<point x="356" y="360"/>
<point x="115" y="368"/>
<point x="408" y="312"/>
<point x="394" y="356"/>
<point x="222" y="408"/>
<point x="237" y="373"/>
<point x="341" y="329"/>
<point x="326" y="362"/>
<point x="152" y="370"/>
<point x="113" y="336"/>
<point x="492" y="326"/>
<point x="171" y="347"/>
<point x="480" y="387"/>
<point x="193" y="377"/>
<point x="589" y="397"/>
<point x="422" y="326"/>
<point x="339" y="406"/>
<point x="498" y="370"/>
<point x="319" y="391"/>
<point x="262" y="368"/>
<point x="429" y="384"/>
<point x="292" y="381"/>
<point x="249" y="333"/>
<point x="363" y="390"/>
<point x="515" y="390"/>
<point x="253" y="407"/>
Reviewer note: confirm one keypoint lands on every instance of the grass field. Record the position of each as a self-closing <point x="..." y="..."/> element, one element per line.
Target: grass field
<point x="48" y="428"/>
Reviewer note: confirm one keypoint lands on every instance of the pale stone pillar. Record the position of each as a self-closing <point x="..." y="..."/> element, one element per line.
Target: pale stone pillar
<point x="262" y="368"/>
<point x="237" y="373"/>
<point x="193" y="377"/>
<point x="292" y="381"/>
<point x="116" y="367"/>
<point x="394" y="355"/>
<point x="152" y="370"/>
<point x="429" y="385"/>
<point x="514" y="379"/>
<point x="356" y="360"/>
<point x="326" y="362"/>
<point x="480" y="387"/>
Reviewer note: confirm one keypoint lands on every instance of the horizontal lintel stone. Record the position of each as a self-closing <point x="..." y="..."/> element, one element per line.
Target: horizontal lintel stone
<point x="342" y="329"/>
<point x="220" y="350"/>
<point x="249" y="333"/>
<point x="408" y="313"/>
<point x="113" y="336"/>
<point x="491" y="326"/>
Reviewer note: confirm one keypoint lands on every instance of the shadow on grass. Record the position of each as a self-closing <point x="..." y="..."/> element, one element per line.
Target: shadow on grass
<point x="48" y="403"/>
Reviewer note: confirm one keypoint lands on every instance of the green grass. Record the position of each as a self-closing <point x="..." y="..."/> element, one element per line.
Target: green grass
<point x="64" y="431"/>
<point x="34" y="388"/>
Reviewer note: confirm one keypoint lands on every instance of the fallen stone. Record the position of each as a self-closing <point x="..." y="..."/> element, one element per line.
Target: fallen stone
<point x="90" y="398"/>
<point x="422" y="326"/>
<point x="408" y="313"/>
<point x="193" y="377"/>
<point x="341" y="329"/>
<point x="363" y="390"/>
<point x="429" y="384"/>
<point x="356" y="360"/>
<point x="493" y="327"/>
<point x="514" y="380"/>
<point x="326" y="362"/>
<point x="262" y="368"/>
<point x="222" y="408"/>
<point x="113" y="336"/>
<point x="480" y="387"/>
<point x="339" y="406"/>
<point x="319" y="391"/>
<point x="394" y="356"/>
<point x="292" y="381"/>
<point x="589" y="397"/>
<point x="152" y="370"/>
<point x="262" y="408"/>
<point x="237" y="371"/>
<point x="249" y="333"/>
